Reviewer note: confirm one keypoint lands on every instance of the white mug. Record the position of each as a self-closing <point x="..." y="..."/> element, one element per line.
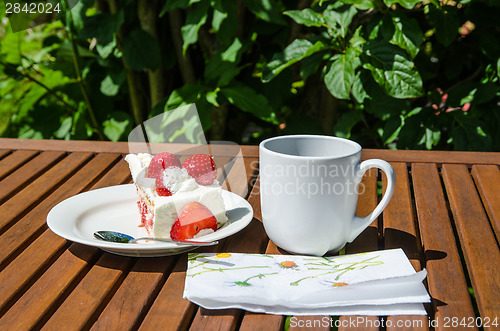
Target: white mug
<point x="309" y="192"/>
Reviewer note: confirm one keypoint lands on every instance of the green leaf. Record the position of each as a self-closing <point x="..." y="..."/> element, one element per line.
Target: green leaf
<point x="117" y="126"/>
<point x="405" y="33"/>
<point x="64" y="129"/>
<point x="432" y="138"/>
<point x="383" y="106"/>
<point x="392" y="70"/>
<point x="340" y="15"/>
<point x="310" y="64"/>
<point x="250" y="101"/>
<point x="223" y="66"/>
<point x="408" y="4"/>
<point x="188" y="94"/>
<point x="110" y="85"/>
<point x="358" y="89"/>
<point x="141" y="50"/>
<point x="212" y="97"/>
<point x="173" y="4"/>
<point x="65" y="52"/>
<point x="102" y="26"/>
<point x="447" y="23"/>
<point x="296" y="51"/>
<point x="340" y="76"/>
<point x="498" y="68"/>
<point x="307" y="17"/>
<point x="346" y="122"/>
<point x="106" y="50"/>
<point x="357" y="41"/>
<point x="217" y="19"/>
<point x="362" y="4"/>
<point x="485" y="93"/>
<point x="229" y="25"/>
<point x="266" y="10"/>
<point x="391" y="129"/>
<point x="11" y="47"/>
<point x="196" y="17"/>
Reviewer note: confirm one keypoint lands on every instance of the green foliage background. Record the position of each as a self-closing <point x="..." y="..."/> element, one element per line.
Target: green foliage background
<point x="404" y="74"/>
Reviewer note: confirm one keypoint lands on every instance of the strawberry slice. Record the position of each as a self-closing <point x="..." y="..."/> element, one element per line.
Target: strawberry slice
<point x="160" y="187"/>
<point x="161" y="162"/>
<point x="193" y="218"/>
<point x="202" y="168"/>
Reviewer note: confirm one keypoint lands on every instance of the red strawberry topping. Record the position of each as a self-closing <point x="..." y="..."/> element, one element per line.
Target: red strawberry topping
<point x="161" y="162"/>
<point x="160" y="187"/>
<point x="202" y="168"/>
<point x="193" y="218"/>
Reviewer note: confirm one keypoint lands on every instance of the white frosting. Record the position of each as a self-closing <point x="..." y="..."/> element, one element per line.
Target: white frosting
<point x="178" y="180"/>
<point x="184" y="189"/>
<point x="137" y="163"/>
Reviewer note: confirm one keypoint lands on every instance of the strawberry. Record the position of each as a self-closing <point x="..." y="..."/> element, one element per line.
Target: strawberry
<point x="160" y="188"/>
<point x="193" y="218"/>
<point x="161" y="162"/>
<point x="202" y="168"/>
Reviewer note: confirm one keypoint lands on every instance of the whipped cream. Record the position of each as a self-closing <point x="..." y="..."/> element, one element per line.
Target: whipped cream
<point x="178" y="180"/>
<point x="138" y="163"/>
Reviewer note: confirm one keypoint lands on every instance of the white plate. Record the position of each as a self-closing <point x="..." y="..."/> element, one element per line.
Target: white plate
<point x="114" y="208"/>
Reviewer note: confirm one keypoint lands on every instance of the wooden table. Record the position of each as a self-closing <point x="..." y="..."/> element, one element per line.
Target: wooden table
<point x="445" y="214"/>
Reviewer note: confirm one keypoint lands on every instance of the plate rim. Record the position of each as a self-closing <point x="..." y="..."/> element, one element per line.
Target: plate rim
<point x="53" y="224"/>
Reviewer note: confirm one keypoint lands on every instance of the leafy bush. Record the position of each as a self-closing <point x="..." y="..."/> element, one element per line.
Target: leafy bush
<point x="404" y="74"/>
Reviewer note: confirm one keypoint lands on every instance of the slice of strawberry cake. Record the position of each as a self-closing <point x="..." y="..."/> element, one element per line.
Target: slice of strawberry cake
<point x="177" y="201"/>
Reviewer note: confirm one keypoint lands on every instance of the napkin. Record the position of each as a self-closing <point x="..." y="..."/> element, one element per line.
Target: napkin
<point x="371" y="283"/>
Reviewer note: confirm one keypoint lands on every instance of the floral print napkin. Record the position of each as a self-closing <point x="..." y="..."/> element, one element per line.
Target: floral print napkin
<point x="372" y="283"/>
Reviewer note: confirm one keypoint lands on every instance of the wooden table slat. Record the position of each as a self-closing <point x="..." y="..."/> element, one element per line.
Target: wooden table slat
<point x="367" y="241"/>
<point x="487" y="179"/>
<point x="400" y="231"/>
<point x="170" y="311"/>
<point x="253" y="152"/>
<point x="82" y="307"/>
<point x="36" y="303"/>
<point x="27" y="173"/>
<point x="14" y="161"/>
<point x="4" y="153"/>
<point x="29" y="310"/>
<point x="434" y="157"/>
<point x="122" y="147"/>
<point x="39" y="254"/>
<point x="445" y="277"/>
<point x="25" y="269"/>
<point x="483" y="261"/>
<point x="37" y="190"/>
<point x="142" y="283"/>
<point x="21" y="232"/>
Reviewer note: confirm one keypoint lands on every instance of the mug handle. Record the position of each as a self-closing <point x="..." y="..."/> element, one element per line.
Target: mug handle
<point x="361" y="223"/>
